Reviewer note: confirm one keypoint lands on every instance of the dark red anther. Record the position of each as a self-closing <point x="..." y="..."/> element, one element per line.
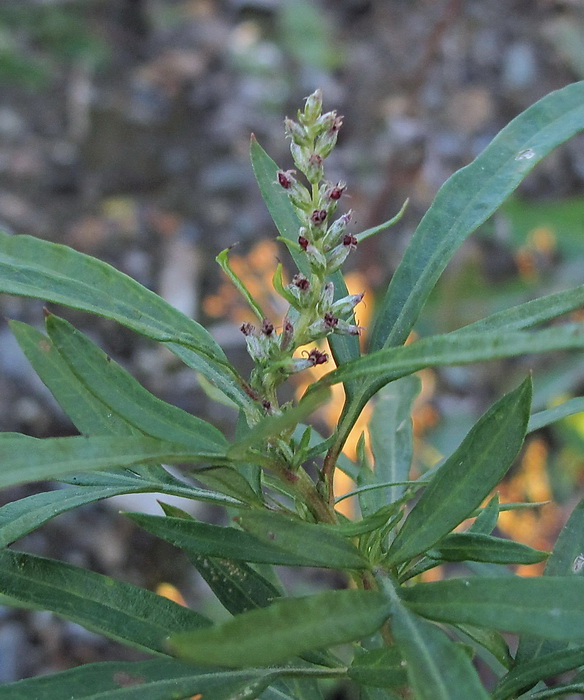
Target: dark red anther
<point x="318" y="216"/>
<point x="315" y="160"/>
<point x="300" y="281"/>
<point x="317" y="357"/>
<point x="247" y="328"/>
<point x="337" y="124"/>
<point x="330" y="321"/>
<point x="303" y="242"/>
<point x="336" y="192"/>
<point x="350" y="241"/>
<point x="267" y="405"/>
<point x="285" y="179"/>
<point x="267" y="327"/>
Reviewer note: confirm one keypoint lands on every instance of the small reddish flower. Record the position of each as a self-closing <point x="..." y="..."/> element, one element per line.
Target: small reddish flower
<point x="318" y="216"/>
<point x="350" y="241"/>
<point x="316" y="357"/>
<point x="303" y="242"/>
<point x="247" y="329"/>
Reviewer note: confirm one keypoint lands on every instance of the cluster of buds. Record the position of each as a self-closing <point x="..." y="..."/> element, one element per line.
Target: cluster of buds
<point x="325" y="243"/>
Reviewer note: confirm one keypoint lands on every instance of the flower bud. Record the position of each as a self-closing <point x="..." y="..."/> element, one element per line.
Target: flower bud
<point x="296" y="132"/>
<point x="318" y="216"/>
<point x="287" y="335"/>
<point x="326" y="141"/>
<point x="328" y="294"/>
<point x="344" y="328"/>
<point x="336" y="230"/>
<point x="314" y="168"/>
<point x="312" y="108"/>
<point x="344" y="306"/>
<point x="336" y="257"/>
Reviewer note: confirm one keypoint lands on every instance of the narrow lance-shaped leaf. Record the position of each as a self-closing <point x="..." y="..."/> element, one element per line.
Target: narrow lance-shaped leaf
<point x="568" y="408"/>
<point x="528" y="314"/>
<point x="380" y="668"/>
<point x="118" y="610"/>
<point x="390" y="364"/>
<point x="237" y="586"/>
<point x="32" y="267"/>
<point x="546" y="606"/>
<point x="467" y="476"/>
<point x="30" y="459"/>
<point x="470" y="546"/>
<point x="468" y="198"/>
<point x="324" y="545"/>
<point x="391" y="437"/>
<point x="285" y="629"/>
<point x="119" y="391"/>
<point x="437" y="668"/>
<point x="567" y="559"/>
<point x="157" y="679"/>
<point x="527" y="674"/>
<point x="203" y="539"/>
<point x="89" y="415"/>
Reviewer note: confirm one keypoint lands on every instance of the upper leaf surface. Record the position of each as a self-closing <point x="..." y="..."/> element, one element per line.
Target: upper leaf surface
<point x="157" y="679"/>
<point x="127" y="398"/>
<point x="118" y="610"/>
<point x="546" y="606"/>
<point x="467" y="199"/>
<point x="467" y="476"/>
<point x="32" y="267"/>
<point x="285" y="629"/>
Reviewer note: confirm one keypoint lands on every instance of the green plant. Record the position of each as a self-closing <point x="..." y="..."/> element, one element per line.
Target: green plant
<point x="278" y="647"/>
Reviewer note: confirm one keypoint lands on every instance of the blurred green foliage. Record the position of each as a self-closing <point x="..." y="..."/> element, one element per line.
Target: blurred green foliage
<point x="36" y="40"/>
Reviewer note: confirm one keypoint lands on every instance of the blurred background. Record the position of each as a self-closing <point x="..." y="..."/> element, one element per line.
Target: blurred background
<point x="124" y="133"/>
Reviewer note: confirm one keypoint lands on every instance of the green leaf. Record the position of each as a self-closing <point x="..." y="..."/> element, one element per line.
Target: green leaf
<point x="558" y="692"/>
<point x="32" y="267"/>
<point x="391" y="434"/>
<point x="390" y="364"/>
<point x="438" y="669"/>
<point x="568" y="408"/>
<point x="526" y="675"/>
<point x="567" y="559"/>
<point x="368" y="693"/>
<point x="470" y="546"/>
<point x="285" y="629"/>
<point x="467" y="477"/>
<point x="25" y="515"/>
<point x="223" y="260"/>
<point x="547" y="606"/>
<point x="491" y="640"/>
<point x="440" y="350"/>
<point x="230" y="482"/>
<point x="528" y="314"/>
<point x="118" y="610"/>
<point x="486" y="520"/>
<point x="373" y="231"/>
<point x="380" y="668"/>
<point x="90" y="415"/>
<point x="223" y="542"/>
<point x="158" y="679"/>
<point x="127" y="398"/>
<point x="323" y="545"/>
<point x="30" y="459"/>
<point x="237" y="586"/>
<point x="468" y="199"/>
